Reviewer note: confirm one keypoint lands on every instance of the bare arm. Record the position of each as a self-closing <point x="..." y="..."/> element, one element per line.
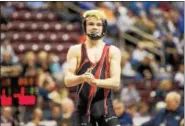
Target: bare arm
<point x="115" y="70"/>
<point x="70" y="79"/>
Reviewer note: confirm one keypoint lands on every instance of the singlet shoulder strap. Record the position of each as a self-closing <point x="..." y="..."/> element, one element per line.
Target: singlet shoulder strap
<point x="83" y="52"/>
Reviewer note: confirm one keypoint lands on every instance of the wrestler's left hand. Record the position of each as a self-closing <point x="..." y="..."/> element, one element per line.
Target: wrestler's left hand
<point x="90" y="79"/>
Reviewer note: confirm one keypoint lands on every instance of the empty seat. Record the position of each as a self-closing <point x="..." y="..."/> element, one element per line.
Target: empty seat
<point x="36" y="16"/>
<point x="145" y="96"/>
<point x="3" y="35"/>
<point x="154" y="84"/>
<point x="3" y="28"/>
<point x="40" y="30"/>
<point x="43" y="36"/>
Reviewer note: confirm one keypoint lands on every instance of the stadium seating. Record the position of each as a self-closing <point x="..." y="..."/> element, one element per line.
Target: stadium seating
<point x="37" y="30"/>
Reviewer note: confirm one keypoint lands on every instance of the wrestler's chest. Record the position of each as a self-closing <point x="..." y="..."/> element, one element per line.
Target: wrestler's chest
<point x="94" y="55"/>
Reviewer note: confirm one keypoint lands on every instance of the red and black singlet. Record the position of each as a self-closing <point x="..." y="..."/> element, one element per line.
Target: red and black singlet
<point x="94" y="101"/>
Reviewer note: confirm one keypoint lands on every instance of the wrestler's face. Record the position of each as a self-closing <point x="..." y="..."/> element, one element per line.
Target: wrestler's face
<point x="94" y="26"/>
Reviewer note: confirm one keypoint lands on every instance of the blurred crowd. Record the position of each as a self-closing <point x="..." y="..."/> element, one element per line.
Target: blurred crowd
<point x="152" y="86"/>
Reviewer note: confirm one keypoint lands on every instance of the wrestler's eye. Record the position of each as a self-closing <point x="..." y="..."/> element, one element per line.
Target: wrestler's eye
<point x="91" y="23"/>
<point x="99" y="24"/>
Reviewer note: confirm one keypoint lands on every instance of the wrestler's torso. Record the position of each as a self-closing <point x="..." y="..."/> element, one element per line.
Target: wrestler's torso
<point x="88" y="96"/>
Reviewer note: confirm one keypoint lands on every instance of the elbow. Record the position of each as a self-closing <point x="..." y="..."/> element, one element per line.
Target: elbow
<point x="117" y="85"/>
<point x="66" y="82"/>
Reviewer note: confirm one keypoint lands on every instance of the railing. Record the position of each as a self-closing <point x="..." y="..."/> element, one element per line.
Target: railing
<point x="73" y="7"/>
<point x="153" y="45"/>
<point x="147" y="36"/>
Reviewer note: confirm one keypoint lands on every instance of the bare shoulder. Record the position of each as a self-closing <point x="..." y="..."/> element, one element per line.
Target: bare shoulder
<point x="75" y="49"/>
<point x="114" y="51"/>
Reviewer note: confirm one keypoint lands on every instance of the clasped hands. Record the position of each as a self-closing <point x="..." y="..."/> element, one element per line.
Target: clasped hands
<point x="89" y="78"/>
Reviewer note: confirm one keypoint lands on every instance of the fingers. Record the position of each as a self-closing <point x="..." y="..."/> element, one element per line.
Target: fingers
<point x="89" y="78"/>
<point x="89" y="70"/>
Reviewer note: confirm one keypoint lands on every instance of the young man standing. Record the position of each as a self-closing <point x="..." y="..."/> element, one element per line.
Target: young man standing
<point x="94" y="67"/>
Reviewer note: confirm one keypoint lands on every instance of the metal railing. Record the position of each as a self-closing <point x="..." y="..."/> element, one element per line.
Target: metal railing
<point x="153" y="45"/>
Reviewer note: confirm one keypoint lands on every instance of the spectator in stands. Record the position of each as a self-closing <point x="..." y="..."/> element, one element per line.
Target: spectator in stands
<point x="127" y="70"/>
<point x="125" y="18"/>
<point x="168" y="22"/>
<point x="138" y="7"/>
<point x="53" y="62"/>
<point x="157" y="16"/>
<point x="144" y="24"/>
<point x="165" y="6"/>
<point x="37" y="117"/>
<point x="163" y="73"/>
<point x="6" y="115"/>
<point x="143" y="108"/>
<point x="55" y="5"/>
<point x="87" y="5"/>
<point x="54" y="66"/>
<point x="111" y="18"/>
<point x="135" y="7"/>
<point x="29" y="64"/>
<point x="108" y="12"/>
<point x="164" y="87"/>
<point x="177" y="21"/>
<point x="178" y="5"/>
<point x="132" y="110"/>
<point x="8" y="68"/>
<point x="179" y="42"/>
<point x="145" y="68"/>
<point x="170" y="51"/>
<point x="138" y="54"/>
<point x="120" y="111"/>
<point x="47" y="85"/>
<point x="7" y="9"/>
<point x="56" y="114"/>
<point x="66" y="11"/>
<point x="59" y="94"/>
<point x="182" y="122"/>
<point x="42" y="63"/>
<point x="171" y="115"/>
<point x="6" y="47"/>
<point x="68" y="108"/>
<point x="44" y="77"/>
<point x="36" y="5"/>
<point x="179" y="76"/>
<point x="155" y="65"/>
<point x="6" y="59"/>
<point x="130" y="95"/>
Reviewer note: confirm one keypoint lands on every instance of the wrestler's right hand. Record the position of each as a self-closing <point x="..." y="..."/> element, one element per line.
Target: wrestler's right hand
<point x="90" y="79"/>
<point x="88" y="76"/>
